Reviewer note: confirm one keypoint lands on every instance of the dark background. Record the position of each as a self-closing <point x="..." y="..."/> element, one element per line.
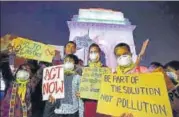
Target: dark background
<point x="46" y="22"/>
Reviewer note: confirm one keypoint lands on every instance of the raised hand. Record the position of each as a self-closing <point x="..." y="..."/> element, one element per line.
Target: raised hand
<point x="144" y="46"/>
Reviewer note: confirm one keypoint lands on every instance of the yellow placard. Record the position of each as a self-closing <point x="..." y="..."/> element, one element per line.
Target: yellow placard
<point x="90" y="82"/>
<point x="33" y="50"/>
<point x="143" y="95"/>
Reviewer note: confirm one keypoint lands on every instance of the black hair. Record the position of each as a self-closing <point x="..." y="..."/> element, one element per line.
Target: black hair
<point x="95" y="45"/>
<point x="122" y="45"/>
<point x="74" y="57"/>
<point x="72" y="42"/>
<point x="33" y="64"/>
<point x="45" y="63"/>
<point x="173" y="64"/>
<point x="156" y="64"/>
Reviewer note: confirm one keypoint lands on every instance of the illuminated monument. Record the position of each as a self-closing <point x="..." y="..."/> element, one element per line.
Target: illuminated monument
<point x="106" y="28"/>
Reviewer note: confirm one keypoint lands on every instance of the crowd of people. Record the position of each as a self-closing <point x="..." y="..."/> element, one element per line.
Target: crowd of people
<point x="21" y="89"/>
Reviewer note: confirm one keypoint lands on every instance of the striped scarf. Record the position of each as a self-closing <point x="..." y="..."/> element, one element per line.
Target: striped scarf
<point x="15" y="88"/>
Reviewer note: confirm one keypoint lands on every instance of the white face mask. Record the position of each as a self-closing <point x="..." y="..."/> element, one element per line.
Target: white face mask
<point x="172" y="75"/>
<point x="93" y="56"/>
<point x="124" y="60"/>
<point x="69" y="66"/>
<point x="22" y="75"/>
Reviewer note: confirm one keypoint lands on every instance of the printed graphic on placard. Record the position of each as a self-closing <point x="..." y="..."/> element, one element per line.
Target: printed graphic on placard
<point x="33" y="50"/>
<point x="90" y="82"/>
<point x="136" y="93"/>
<point x="53" y="82"/>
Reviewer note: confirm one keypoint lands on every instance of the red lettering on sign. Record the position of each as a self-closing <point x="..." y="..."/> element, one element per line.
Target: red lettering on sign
<point x="53" y="87"/>
<point x="60" y="88"/>
<point x="58" y="71"/>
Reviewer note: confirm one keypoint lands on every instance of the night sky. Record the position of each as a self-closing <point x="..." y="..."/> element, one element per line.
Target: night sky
<point x="46" y="22"/>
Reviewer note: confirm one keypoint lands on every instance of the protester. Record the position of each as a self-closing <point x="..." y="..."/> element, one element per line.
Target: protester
<point x="17" y="102"/>
<point x="124" y="60"/>
<point x="70" y="48"/>
<point x="94" y="61"/>
<point x="71" y="105"/>
<point x="172" y="69"/>
<point x="154" y="65"/>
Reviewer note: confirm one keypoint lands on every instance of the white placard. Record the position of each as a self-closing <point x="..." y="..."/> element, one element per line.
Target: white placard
<point x="53" y="82"/>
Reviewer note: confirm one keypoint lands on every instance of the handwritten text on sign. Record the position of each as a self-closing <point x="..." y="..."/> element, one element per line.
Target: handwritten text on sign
<point x="137" y="94"/>
<point x="90" y="82"/>
<point x="33" y="50"/>
<point x="53" y="82"/>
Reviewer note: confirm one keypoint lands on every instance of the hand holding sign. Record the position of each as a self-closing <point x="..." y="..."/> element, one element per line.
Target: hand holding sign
<point x="51" y="99"/>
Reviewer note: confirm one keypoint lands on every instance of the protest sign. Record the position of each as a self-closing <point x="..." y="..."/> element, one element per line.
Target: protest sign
<point x="5" y="42"/>
<point x="53" y="82"/>
<point x="143" y="95"/>
<point x="90" y="82"/>
<point x="33" y="50"/>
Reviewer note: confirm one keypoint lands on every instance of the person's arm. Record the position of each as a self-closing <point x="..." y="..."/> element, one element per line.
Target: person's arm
<point x="142" y="52"/>
<point x="6" y="70"/>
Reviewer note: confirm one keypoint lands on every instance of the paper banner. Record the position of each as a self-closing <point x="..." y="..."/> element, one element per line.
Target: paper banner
<point x="53" y="82"/>
<point x="32" y="50"/>
<point x="90" y="82"/>
<point x="143" y="95"/>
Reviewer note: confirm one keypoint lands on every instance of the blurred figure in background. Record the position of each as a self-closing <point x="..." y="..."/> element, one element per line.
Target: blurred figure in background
<point x="172" y="69"/>
<point x="154" y="65"/>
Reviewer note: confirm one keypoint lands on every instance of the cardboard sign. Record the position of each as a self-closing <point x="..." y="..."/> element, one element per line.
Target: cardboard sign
<point x="33" y="50"/>
<point x="53" y="82"/>
<point x="90" y="82"/>
<point x="143" y="95"/>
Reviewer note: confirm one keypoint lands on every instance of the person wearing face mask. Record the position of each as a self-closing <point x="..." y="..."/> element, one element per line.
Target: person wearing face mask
<point x="71" y="105"/>
<point x="173" y="91"/>
<point x="94" y="61"/>
<point x="70" y="48"/>
<point x="172" y="71"/>
<point x="125" y="63"/>
<point x="17" y="99"/>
